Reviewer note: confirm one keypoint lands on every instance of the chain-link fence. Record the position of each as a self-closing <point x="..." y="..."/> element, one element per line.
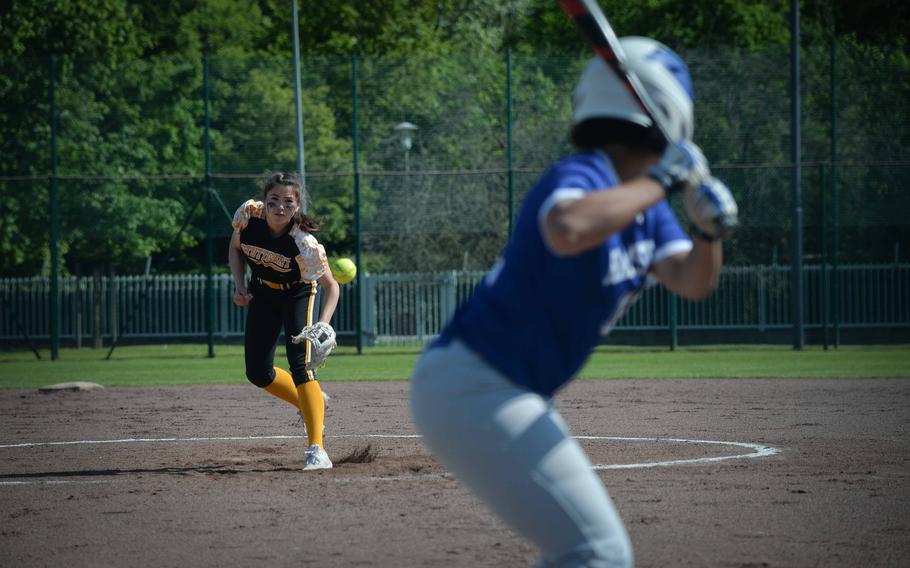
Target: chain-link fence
<point x="128" y="167"/>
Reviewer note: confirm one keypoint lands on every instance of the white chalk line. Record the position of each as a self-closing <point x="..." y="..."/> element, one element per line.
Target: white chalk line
<point x="64" y="482"/>
<point x="150" y="440"/>
<point x="758" y="451"/>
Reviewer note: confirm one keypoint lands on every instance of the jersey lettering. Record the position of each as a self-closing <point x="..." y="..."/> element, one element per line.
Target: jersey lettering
<point x="621" y="268"/>
<point x="626" y="264"/>
<point x="267" y="258"/>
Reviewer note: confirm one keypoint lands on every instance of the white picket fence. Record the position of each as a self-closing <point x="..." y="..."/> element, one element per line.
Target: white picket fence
<point x="412" y="308"/>
<point x="401" y="307"/>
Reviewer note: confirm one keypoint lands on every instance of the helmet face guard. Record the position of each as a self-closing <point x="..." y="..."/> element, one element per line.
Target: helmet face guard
<point x="600" y="94"/>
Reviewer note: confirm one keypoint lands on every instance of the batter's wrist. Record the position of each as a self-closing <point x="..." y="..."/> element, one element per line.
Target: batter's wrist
<point x="697" y="233"/>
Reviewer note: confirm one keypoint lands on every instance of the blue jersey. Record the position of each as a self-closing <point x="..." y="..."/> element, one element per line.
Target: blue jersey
<point x="536" y="316"/>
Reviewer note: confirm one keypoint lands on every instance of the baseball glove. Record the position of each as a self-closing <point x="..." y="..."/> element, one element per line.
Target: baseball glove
<point x="321" y="338"/>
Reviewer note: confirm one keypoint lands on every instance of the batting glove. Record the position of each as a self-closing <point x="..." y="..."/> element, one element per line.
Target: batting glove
<point x="711" y="209"/>
<point x="682" y="166"/>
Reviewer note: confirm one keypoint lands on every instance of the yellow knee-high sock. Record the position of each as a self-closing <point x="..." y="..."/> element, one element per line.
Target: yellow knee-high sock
<point x="312" y="405"/>
<point x="283" y="387"/>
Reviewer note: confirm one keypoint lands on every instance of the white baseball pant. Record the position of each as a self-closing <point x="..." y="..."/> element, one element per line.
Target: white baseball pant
<point x="513" y="449"/>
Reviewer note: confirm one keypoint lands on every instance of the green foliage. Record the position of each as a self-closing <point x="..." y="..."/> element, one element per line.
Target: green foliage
<point x="255" y="132"/>
<point x="694" y="23"/>
<point x="390" y="27"/>
<point x="33" y="28"/>
<point x="128" y="78"/>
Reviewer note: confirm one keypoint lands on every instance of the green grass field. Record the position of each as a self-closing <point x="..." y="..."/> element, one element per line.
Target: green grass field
<point x="188" y="364"/>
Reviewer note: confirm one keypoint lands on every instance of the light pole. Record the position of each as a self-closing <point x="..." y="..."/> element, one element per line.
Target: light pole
<point x="406" y="133"/>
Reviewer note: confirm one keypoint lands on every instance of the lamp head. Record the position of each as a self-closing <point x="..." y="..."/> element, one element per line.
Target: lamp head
<point x="406" y="132"/>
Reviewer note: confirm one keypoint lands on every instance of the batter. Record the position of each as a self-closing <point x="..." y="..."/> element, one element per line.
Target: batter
<point x="594" y="231"/>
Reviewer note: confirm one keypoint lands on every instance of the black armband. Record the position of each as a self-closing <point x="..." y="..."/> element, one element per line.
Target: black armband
<point x="697" y="233"/>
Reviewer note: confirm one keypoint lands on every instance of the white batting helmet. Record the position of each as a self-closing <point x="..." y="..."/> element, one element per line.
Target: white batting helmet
<point x="600" y="93"/>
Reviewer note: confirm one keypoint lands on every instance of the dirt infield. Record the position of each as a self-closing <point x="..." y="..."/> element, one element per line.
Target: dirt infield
<point x="218" y="480"/>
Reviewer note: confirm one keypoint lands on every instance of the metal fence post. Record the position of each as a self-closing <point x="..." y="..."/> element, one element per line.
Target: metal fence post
<point x="761" y="290"/>
<point x="298" y="105"/>
<point x="54" y="221"/>
<point x="510" y="174"/>
<point x="835" y="274"/>
<point x="367" y="318"/>
<point x="796" y="157"/>
<point x="672" y="307"/>
<point x="209" y="239"/>
<point x="359" y="282"/>
<point x="826" y="294"/>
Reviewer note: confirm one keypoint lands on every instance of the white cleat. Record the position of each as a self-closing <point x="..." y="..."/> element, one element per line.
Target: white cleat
<point x="316" y="458"/>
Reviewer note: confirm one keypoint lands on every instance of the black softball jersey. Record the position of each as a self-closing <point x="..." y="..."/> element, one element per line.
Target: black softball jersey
<point x="293" y="258"/>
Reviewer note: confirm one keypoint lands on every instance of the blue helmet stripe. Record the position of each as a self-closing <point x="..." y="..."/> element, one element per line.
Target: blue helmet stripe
<point x="674" y="65"/>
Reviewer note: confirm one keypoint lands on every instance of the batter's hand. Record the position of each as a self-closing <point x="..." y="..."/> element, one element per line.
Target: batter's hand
<point x="712" y="209"/>
<point x="242" y="297"/>
<point x="681" y="167"/>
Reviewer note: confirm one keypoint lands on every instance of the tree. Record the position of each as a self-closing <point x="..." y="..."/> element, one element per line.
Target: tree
<point x="129" y="109"/>
<point x="30" y="35"/>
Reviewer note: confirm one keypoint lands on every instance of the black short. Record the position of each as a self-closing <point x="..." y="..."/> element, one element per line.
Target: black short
<point x="266" y="314"/>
